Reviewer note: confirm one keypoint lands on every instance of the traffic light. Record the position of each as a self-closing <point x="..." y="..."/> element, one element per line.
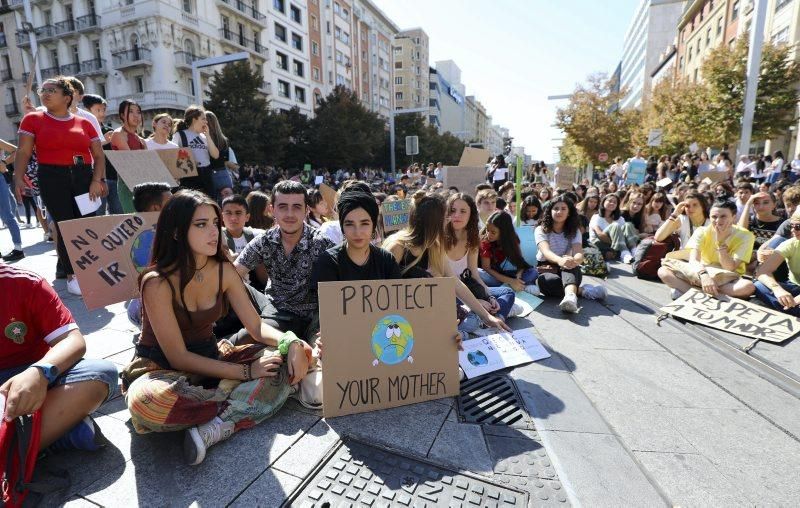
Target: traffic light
<point x="507" y="146"/>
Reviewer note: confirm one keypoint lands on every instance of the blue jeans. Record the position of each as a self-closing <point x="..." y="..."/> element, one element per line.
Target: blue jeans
<point x="111" y="202"/>
<point x="84" y="370"/>
<point x="7" y="213"/>
<point x="528" y="276"/>
<point x="767" y="296"/>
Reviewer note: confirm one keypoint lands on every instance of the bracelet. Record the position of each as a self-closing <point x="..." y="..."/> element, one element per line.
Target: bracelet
<point x="287" y="339"/>
<point x="246" y="372"/>
<point x="672" y="217"/>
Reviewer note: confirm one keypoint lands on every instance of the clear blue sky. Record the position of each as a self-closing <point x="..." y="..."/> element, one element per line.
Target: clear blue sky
<point x="514" y="53"/>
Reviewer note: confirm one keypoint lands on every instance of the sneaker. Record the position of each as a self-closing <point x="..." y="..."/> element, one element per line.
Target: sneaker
<point x="14" y="255"/>
<point x="675" y="293"/>
<point x="594" y="292"/>
<point x="627" y="257"/>
<point x="569" y="303"/>
<point x="200" y="437"/>
<point x="73" y="287"/>
<point x="516" y="310"/>
<point x="86" y="435"/>
<point x="533" y="289"/>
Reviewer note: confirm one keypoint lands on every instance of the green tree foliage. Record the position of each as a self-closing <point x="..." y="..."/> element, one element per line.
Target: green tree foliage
<point x="593" y="121"/>
<point x="433" y="147"/>
<point x="257" y="134"/>
<point x="297" y="149"/>
<point x="680" y="108"/>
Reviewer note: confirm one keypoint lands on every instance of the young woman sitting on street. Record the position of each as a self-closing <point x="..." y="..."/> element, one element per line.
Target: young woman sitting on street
<point x="609" y="233"/>
<point x="656" y="212"/>
<point x="501" y="257"/>
<point x="531" y="211"/>
<point x="782" y="295"/>
<point x="560" y="255"/>
<point x="633" y="213"/>
<point x="689" y="214"/>
<point x="718" y="257"/>
<point x="486" y="200"/>
<point x="181" y="378"/>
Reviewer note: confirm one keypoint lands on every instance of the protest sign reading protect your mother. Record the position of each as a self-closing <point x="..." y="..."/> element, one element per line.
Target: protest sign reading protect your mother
<point x="388" y="343"/>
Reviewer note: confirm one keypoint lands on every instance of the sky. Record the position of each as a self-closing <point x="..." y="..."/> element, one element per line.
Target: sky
<point x="513" y="54"/>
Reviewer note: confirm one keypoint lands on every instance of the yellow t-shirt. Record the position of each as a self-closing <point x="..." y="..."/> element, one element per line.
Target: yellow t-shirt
<point x="790" y="250"/>
<point x="739" y="243"/>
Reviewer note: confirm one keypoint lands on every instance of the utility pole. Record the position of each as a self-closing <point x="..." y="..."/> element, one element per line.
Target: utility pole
<point x="753" y="71"/>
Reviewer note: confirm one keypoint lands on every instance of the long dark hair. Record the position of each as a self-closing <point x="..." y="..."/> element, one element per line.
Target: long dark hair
<point x="473" y="234"/>
<point x="571" y="225"/>
<point x="601" y="207"/>
<point x="257" y="203"/>
<point x="125" y="109"/>
<point x="508" y="241"/>
<point x="171" y="250"/>
<point x="189" y="115"/>
<point x="701" y="199"/>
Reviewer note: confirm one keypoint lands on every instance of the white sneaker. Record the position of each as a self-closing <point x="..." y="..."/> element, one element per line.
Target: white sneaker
<point x="627" y="257"/>
<point x="516" y="310"/>
<point x="594" y="292"/>
<point x="675" y="293"/>
<point x="200" y="437"/>
<point x="569" y="303"/>
<point x="72" y="286"/>
<point x="533" y="289"/>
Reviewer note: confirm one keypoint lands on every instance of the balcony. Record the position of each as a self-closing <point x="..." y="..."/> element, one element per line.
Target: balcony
<point x="184" y="59"/>
<point x="12" y="109"/>
<point x="243" y="42"/>
<point x="136" y="57"/>
<point x="43" y="33"/>
<point x="91" y="67"/>
<point x="5" y="75"/>
<point x="239" y="7"/>
<point x="12" y="4"/>
<point x="190" y="18"/>
<point x="72" y="69"/>
<point x="265" y="88"/>
<point x="64" y="27"/>
<point x="3" y="41"/>
<point x="155" y="100"/>
<point x="87" y="23"/>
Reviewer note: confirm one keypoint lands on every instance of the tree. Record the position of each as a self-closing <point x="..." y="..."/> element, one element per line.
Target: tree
<point x="344" y="134"/>
<point x="297" y="150"/>
<point x="257" y="134"/>
<point x="680" y="108"/>
<point x="433" y="147"/>
<point x="594" y="122"/>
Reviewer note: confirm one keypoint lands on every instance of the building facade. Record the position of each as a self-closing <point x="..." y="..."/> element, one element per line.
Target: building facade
<point x="703" y="25"/>
<point x="411" y="80"/>
<point x="452" y="100"/>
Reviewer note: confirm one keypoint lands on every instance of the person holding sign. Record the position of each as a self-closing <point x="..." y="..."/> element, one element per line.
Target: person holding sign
<point x="186" y="289"/>
<point x="192" y="133"/>
<point x="420" y="252"/>
<point x="70" y="157"/>
<point x="782" y="296"/>
<point x="717" y="260"/>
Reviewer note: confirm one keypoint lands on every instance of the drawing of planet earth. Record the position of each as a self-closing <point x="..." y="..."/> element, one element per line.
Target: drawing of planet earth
<point x="392" y="339"/>
<point x="477" y="358"/>
<point x="141" y="248"/>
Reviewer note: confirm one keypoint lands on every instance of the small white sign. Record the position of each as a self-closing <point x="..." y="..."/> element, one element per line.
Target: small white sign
<point x="86" y="205"/>
<point x="654" y="137"/>
<point x="500" y="350"/>
<point x="693" y="147"/>
<point x="318" y="180"/>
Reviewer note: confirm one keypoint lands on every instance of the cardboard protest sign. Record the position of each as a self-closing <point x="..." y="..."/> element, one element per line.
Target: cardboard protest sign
<point x="140" y="166"/>
<point x="637" y="170"/>
<point x="713" y="176"/>
<point x="474" y="157"/>
<point x="179" y="162"/>
<point x="464" y="178"/>
<point x="388" y="343"/>
<point x="500" y="350"/>
<point x="329" y="195"/>
<point x="395" y="214"/>
<point x="108" y="253"/>
<point x="565" y="177"/>
<point x="318" y="179"/>
<point x="736" y="316"/>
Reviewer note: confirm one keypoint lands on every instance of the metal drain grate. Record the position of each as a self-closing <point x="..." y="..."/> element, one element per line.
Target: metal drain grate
<point x="358" y="474"/>
<point x="492" y="400"/>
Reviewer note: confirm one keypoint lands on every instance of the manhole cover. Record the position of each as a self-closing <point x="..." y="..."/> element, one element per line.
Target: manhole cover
<point x="492" y="400"/>
<point x="358" y="474"/>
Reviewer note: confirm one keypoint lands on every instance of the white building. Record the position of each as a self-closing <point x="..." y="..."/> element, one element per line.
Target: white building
<point x="452" y="101"/>
<point x="652" y="29"/>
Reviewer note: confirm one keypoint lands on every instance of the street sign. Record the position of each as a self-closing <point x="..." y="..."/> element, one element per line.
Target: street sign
<point x="412" y="145"/>
<point x="602" y="157"/>
<point x="654" y="137"/>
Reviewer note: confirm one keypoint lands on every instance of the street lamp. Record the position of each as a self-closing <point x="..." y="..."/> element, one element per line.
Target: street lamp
<point x="208" y="62"/>
<point x="392" y="114"/>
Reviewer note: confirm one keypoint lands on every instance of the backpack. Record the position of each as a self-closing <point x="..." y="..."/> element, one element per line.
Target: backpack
<point x="594" y="263"/>
<point x="649" y="253"/>
<point x="19" y="446"/>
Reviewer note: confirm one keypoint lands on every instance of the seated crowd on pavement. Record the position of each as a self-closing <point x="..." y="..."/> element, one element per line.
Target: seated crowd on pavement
<point x="229" y="311"/>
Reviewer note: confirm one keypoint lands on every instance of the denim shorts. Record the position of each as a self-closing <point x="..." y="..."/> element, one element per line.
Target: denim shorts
<point x="84" y="370"/>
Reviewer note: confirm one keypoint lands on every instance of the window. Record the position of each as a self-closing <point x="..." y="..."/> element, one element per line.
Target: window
<point x="680" y="66"/>
<point x="279" y="5"/>
<point x="75" y="56"/>
<point x="398" y="65"/>
<point x="780" y="4"/>
<point x="315" y="73"/>
<point x="297" y="42"/>
<point x="101" y="89"/>
<point x="282" y="61"/>
<point x="294" y="13"/>
<point x="314" y="48"/>
<point x="97" y="50"/>
<point x="690" y="53"/>
<point x="54" y="58"/>
<point x="340" y="80"/>
<point x="314" y="22"/>
<point x="695" y="75"/>
<point x="398" y="80"/>
<point x="339" y="56"/>
<point x="719" y="26"/>
<point x="280" y="32"/>
<point x="708" y="37"/>
<point x="735" y="10"/>
<point x="187" y="6"/>
<point x="398" y="96"/>
<point x="299" y="69"/>
<point x="139" y="84"/>
<point x="283" y="88"/>
<point x="300" y="94"/>
<point x="781" y="37"/>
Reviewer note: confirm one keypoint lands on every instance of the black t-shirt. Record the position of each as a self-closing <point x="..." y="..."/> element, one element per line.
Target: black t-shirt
<point x="765" y="230"/>
<point x="635" y="220"/>
<point x="335" y="265"/>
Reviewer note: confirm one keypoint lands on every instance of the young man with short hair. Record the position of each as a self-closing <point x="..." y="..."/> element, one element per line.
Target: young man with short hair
<point x="235" y="214"/>
<point x="288" y="253"/>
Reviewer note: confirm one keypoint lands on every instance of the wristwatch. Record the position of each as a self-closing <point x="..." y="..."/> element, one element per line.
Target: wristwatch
<point x="49" y="370"/>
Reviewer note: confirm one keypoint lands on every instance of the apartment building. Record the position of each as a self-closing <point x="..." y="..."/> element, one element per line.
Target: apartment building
<point x="290" y="67"/>
<point x="477" y="120"/>
<point x="411" y="81"/>
<point x="374" y="60"/>
<point x="703" y="25"/>
<point x="452" y="101"/>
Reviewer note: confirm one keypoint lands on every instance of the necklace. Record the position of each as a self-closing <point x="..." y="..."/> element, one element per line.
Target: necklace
<point x="198" y="275"/>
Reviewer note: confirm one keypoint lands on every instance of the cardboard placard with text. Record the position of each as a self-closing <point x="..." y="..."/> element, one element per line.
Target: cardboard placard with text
<point x="637" y="171"/>
<point x="108" y="253"/>
<point x="179" y="162"/>
<point x="500" y="350"/>
<point x="388" y="343"/>
<point x="566" y="177"/>
<point x="140" y="166"/>
<point x="330" y="197"/>
<point x="395" y="214"/>
<point x="713" y="176"/>
<point x="464" y="178"/>
<point x="735" y="316"/>
<point x="471" y="157"/>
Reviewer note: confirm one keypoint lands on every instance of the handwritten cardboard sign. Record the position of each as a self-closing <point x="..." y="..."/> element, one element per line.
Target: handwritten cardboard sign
<point x="637" y="170"/>
<point x="108" y="253"/>
<point x="388" y="343"/>
<point x="736" y="316"/>
<point x="329" y="195"/>
<point x="179" y="162"/>
<point x="500" y="350"/>
<point x="712" y="176"/>
<point x="464" y="178"/>
<point x="395" y="214"/>
<point x="566" y="177"/>
<point x="474" y="157"/>
<point x="140" y="166"/>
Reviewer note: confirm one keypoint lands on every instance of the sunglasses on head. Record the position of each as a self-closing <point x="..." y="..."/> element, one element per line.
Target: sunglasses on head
<point x="795" y="226"/>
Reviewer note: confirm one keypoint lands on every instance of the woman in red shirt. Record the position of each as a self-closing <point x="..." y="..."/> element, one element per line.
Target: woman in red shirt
<point x="71" y="160"/>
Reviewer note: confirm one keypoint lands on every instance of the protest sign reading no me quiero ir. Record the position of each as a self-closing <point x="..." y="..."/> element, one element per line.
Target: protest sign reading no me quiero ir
<point x="388" y="343"/>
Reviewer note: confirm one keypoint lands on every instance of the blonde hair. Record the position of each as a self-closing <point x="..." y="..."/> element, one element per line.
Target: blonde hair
<point x="159" y="117"/>
<point x="425" y="232"/>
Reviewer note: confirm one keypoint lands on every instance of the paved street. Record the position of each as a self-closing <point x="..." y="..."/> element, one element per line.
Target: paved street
<point x="625" y="413"/>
